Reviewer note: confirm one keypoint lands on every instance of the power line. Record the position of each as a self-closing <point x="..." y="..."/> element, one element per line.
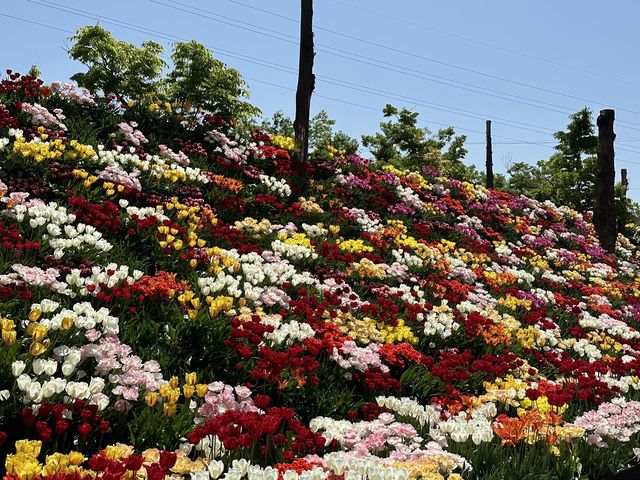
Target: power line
<point x="268" y="64"/>
<point x="285" y="69"/>
<point x="485" y="44"/>
<point x="376" y="62"/>
<point x="291" y="70"/>
<point x="415" y="55"/>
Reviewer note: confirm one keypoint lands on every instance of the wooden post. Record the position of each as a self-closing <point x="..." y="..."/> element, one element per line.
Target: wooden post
<point x="625" y="180"/>
<point x="489" y="163"/>
<point x="604" y="216"/>
<point x="306" y="80"/>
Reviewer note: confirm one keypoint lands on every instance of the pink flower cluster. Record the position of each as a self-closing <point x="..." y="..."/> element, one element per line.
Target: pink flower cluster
<point x="179" y="157"/>
<point x="114" y="173"/>
<point x="71" y="91"/>
<point x="361" y="358"/>
<point x="41" y="116"/>
<point x="615" y="420"/>
<point x="131" y="134"/>
<point x="126" y="371"/>
<point x="223" y="398"/>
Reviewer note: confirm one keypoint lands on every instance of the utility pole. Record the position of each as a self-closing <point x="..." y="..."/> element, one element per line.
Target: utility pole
<point x="604" y="217"/>
<point x="625" y="180"/>
<point x="489" y="163"/>
<point x="306" y="80"/>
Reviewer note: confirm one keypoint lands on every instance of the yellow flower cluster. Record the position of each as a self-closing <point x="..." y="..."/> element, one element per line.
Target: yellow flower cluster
<point x="219" y="261"/>
<point x="24" y="464"/>
<point x="251" y="225"/>
<point x="39" y="151"/>
<point x="219" y="304"/>
<point x="165" y="172"/>
<point x="159" y="105"/>
<point x="170" y="392"/>
<point x="430" y="468"/>
<point x="296" y="239"/>
<point x="168" y="239"/>
<point x="333" y="151"/>
<point x="190" y="302"/>
<point x="395" y="229"/>
<point x="362" y="330"/>
<point x="541" y="405"/>
<point x="365" y="268"/>
<point x="310" y="205"/>
<point x="412" y="176"/>
<point x="513" y="303"/>
<point x="354" y="246"/>
<point x="529" y="336"/>
<point x="397" y="333"/>
<point x="8" y="328"/>
<point x="110" y="188"/>
<point x="286" y="143"/>
<point x="510" y="390"/>
<point x="84" y="175"/>
<point x="80" y="151"/>
<point x="604" y="341"/>
<point x="37" y="332"/>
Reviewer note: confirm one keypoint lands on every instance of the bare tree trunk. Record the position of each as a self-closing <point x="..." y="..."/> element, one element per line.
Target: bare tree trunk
<point x="604" y="216"/>
<point x="489" y="163"/>
<point x="306" y="80"/>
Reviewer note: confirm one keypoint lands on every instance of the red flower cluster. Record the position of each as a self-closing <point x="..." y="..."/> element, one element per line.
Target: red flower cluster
<point x="24" y="86"/>
<point x="12" y="240"/>
<point x="103" y="215"/>
<point x="276" y="433"/>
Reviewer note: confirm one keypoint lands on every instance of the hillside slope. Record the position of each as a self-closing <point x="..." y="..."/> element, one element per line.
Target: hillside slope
<point x="169" y="281"/>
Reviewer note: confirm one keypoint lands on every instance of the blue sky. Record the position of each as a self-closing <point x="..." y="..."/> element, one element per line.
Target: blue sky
<point x="525" y="65"/>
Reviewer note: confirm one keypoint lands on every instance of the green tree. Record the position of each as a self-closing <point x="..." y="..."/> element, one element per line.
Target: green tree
<point x="206" y="82"/>
<point x="114" y="66"/>
<point x="278" y="124"/>
<point x="570" y="173"/>
<point x="524" y="179"/>
<point x="404" y="144"/>
<point x="321" y="132"/>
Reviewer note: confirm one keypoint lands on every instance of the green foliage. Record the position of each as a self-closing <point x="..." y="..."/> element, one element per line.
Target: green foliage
<point x="404" y="144"/>
<point x="321" y="134"/>
<point x="206" y="82"/>
<point x="524" y="179"/>
<point x="279" y="124"/>
<point x="114" y="66"/>
<point x="570" y="174"/>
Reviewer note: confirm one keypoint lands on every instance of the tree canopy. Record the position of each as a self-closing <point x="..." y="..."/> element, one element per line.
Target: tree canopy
<point x="404" y="144"/>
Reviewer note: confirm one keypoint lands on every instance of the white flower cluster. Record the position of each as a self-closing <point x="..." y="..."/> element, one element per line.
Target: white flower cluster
<point x="440" y="321"/>
<point x="585" y="348"/>
<point x="460" y="428"/>
<point x="615" y="328"/>
<point x="110" y="275"/>
<point x="256" y="274"/>
<point x="407" y="407"/>
<point x="406" y="258"/>
<point x="243" y="469"/>
<point x="142" y="212"/>
<point x="83" y="316"/>
<point x="276" y="186"/>
<point x="293" y="251"/>
<point x="314" y="231"/>
<point x="153" y="164"/>
<point x="368" y="221"/>
<point x="409" y="197"/>
<point x="37" y="391"/>
<point x="287" y="333"/>
<point x="61" y="235"/>
<point x="407" y="294"/>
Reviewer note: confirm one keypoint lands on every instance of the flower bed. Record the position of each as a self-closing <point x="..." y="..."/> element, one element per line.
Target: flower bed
<point x="181" y="297"/>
